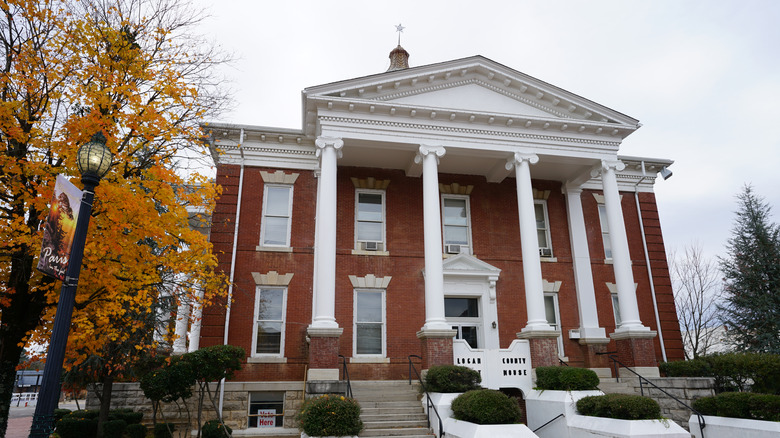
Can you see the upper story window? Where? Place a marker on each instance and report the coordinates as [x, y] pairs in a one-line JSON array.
[[457, 224], [370, 322], [277, 215], [370, 220], [605, 232], [543, 228], [270, 303]]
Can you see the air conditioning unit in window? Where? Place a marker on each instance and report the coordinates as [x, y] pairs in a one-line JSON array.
[[371, 246], [545, 252], [453, 249]]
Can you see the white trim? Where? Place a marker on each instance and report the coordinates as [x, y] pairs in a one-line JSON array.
[[383, 296], [468, 248], [263, 226], [258, 291]]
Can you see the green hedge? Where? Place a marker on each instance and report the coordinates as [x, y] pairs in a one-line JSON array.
[[114, 428], [741, 405], [486, 406], [620, 406], [164, 430], [451, 378], [136, 431], [757, 372], [566, 379], [330, 415], [83, 423], [215, 429]]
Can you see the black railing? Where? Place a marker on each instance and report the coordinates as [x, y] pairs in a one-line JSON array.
[[345, 375], [553, 419], [644, 381], [428, 402]]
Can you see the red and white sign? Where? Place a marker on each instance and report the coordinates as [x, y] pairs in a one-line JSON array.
[[266, 418]]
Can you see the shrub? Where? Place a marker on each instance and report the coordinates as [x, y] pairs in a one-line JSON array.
[[686, 368], [59, 413], [620, 406], [136, 431], [73, 427], [451, 378], [330, 415], [486, 406], [114, 428], [741, 405], [758, 372], [84, 414], [215, 429], [164, 430], [126, 414], [566, 378]]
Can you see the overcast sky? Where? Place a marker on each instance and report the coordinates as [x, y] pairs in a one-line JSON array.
[[703, 77]]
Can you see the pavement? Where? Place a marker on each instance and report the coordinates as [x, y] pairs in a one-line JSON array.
[[20, 418]]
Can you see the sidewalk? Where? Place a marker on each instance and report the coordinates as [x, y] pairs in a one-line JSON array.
[[20, 418]]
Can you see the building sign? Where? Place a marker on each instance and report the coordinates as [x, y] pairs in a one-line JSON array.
[[266, 418], [59, 228]]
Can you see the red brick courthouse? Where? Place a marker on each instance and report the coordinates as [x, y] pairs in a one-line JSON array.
[[463, 212]]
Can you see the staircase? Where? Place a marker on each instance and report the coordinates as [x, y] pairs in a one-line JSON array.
[[391, 409], [625, 386]]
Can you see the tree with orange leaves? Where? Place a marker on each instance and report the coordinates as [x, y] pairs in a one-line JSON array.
[[130, 69]]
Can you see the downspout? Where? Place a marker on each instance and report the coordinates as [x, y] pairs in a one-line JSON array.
[[233, 263], [647, 261]]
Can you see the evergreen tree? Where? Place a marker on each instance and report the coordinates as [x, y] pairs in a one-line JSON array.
[[752, 277]]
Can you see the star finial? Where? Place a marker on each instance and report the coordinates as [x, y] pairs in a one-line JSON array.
[[399, 29]]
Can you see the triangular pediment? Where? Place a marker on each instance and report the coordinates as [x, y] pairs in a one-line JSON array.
[[471, 85], [466, 264]]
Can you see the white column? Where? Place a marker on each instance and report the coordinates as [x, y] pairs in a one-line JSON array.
[[532, 265], [180, 330], [434, 272], [197, 315], [621, 258], [328, 150], [583, 276]]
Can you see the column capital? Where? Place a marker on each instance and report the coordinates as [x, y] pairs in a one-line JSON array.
[[571, 189], [425, 150], [613, 165], [324, 142], [519, 157]]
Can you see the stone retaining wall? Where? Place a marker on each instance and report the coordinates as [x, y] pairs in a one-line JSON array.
[[687, 389]]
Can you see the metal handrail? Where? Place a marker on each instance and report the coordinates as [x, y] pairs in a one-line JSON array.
[[553, 419], [616, 362], [428, 403], [346, 376]]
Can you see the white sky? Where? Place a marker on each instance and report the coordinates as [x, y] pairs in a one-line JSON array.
[[703, 77]]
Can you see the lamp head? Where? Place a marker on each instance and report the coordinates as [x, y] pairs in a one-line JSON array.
[[665, 173], [94, 158]]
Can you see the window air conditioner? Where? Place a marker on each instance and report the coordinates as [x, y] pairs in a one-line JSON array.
[[545, 252], [372, 246], [452, 249]]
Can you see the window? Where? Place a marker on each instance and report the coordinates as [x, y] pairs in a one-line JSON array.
[[277, 212], [605, 231], [543, 228], [370, 322], [457, 232], [616, 310], [463, 315], [270, 309], [266, 409], [370, 220], [553, 315]]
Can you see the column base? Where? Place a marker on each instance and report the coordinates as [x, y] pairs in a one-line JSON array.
[[544, 347], [594, 354], [636, 348], [323, 353], [436, 347]]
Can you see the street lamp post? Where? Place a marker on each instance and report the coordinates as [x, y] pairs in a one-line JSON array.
[[94, 160]]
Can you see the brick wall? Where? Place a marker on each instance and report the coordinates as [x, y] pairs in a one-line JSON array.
[[496, 240]]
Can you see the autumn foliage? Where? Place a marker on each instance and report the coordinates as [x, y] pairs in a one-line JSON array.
[[129, 69]]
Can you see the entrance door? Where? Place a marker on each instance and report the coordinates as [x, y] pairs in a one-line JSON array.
[[462, 313]]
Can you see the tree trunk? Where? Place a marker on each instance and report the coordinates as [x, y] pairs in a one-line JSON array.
[[105, 403]]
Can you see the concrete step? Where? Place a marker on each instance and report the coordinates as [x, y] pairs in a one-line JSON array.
[[390, 404], [410, 410], [617, 387], [429, 435], [395, 424], [405, 432]]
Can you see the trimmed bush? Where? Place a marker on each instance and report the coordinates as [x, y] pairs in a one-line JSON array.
[[757, 372], [566, 379], [686, 368], [452, 378], [330, 415], [72, 427], [84, 414], [741, 405], [164, 430], [486, 406], [126, 414], [620, 406], [114, 428], [136, 431], [59, 413], [215, 429]]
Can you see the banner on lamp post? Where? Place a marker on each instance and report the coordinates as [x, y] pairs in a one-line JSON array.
[[59, 228]]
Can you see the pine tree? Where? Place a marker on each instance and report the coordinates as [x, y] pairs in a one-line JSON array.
[[752, 277]]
